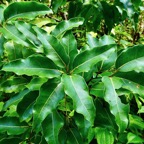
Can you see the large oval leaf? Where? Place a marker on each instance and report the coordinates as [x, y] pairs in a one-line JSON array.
[[50, 95], [51, 127], [131, 59], [85, 60], [33, 65], [63, 26], [76, 88], [25, 10], [12, 126], [117, 108]]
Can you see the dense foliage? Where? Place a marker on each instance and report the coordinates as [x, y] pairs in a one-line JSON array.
[[71, 72]]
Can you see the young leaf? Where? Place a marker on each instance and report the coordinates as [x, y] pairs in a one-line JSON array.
[[131, 59], [52, 48], [104, 136], [66, 25], [33, 65], [51, 127], [76, 88], [12, 126], [50, 95], [85, 60], [27, 10], [70, 44], [117, 108]]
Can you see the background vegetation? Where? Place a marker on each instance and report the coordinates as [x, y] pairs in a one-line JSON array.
[[71, 71]]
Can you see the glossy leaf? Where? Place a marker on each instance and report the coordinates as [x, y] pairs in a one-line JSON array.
[[70, 44], [33, 65], [133, 138], [74, 136], [52, 48], [15, 99], [117, 108], [131, 59], [25, 10], [51, 127], [12, 126], [25, 106], [85, 60], [51, 93], [76, 88], [104, 136], [10, 140], [66, 25]]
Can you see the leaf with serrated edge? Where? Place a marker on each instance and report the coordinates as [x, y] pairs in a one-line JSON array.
[[67, 25], [117, 108], [33, 65], [51, 127], [76, 88], [25, 10], [51, 93]]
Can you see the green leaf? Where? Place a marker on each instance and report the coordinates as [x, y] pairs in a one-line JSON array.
[[141, 110], [85, 60], [15, 99], [36, 83], [15, 140], [51, 127], [56, 4], [12, 126], [117, 108], [74, 136], [13, 85], [76, 88], [33, 65], [104, 136], [51, 93], [133, 138], [70, 44], [52, 48], [10, 32], [25, 106], [66, 25], [27, 10], [131, 59]]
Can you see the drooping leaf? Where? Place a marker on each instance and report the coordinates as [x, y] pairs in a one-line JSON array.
[[104, 136], [74, 136], [131, 59], [85, 60], [51, 127], [15, 99], [51, 93], [12, 126], [133, 138], [27, 10], [52, 48], [25, 106], [117, 108], [66, 25], [70, 45], [33, 65], [76, 88]]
